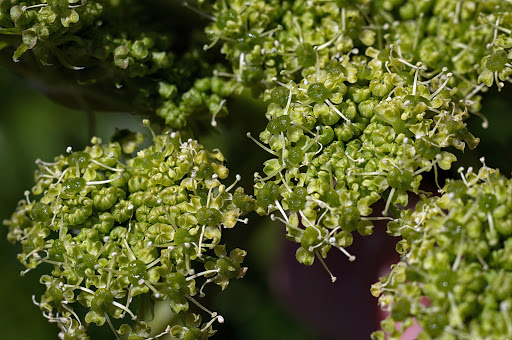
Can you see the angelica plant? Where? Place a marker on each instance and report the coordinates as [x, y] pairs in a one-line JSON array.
[[363, 99]]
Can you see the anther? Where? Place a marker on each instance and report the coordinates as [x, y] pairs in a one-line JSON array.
[[237, 179], [27, 194]]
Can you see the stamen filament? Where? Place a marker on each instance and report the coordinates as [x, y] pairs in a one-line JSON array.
[[106, 166], [333, 243], [261, 145], [166, 331], [333, 278], [274, 218], [388, 201], [203, 273], [337, 111], [195, 302], [214, 115], [281, 210], [238, 178], [433, 95], [200, 241], [112, 327], [104, 181]]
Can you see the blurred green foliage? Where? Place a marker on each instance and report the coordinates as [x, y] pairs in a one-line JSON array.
[[31, 127]]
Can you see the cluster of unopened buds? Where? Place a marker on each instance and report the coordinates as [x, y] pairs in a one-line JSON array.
[[454, 278], [120, 229]]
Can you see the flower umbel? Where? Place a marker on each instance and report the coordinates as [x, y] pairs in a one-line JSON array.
[[116, 227]]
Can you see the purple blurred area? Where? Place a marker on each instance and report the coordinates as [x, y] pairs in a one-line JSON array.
[[344, 309]]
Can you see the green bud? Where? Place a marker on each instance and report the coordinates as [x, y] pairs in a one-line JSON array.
[[453, 228], [435, 324], [205, 171], [457, 189], [497, 61], [304, 256], [74, 185], [446, 280], [426, 148], [54, 294], [228, 268], [105, 198], [280, 96], [29, 38], [102, 300], [310, 238], [365, 228], [176, 285], [401, 309], [297, 199], [349, 218], [332, 198], [318, 93], [295, 156], [225, 17], [335, 68], [121, 58], [279, 124], [306, 55], [209, 217], [247, 41], [137, 271], [252, 75], [84, 262], [57, 251], [487, 203], [193, 334], [400, 179], [268, 194], [41, 212]]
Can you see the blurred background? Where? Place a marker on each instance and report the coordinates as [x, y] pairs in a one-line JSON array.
[[278, 298]]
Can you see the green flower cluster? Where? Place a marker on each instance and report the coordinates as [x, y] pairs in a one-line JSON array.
[[277, 39], [117, 47], [345, 157], [358, 110], [454, 277], [115, 227]]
